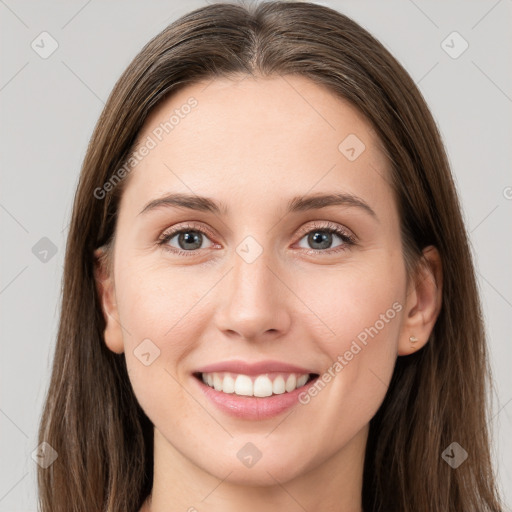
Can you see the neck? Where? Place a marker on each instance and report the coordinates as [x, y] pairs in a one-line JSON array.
[[334, 484]]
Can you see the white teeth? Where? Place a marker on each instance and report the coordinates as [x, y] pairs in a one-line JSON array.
[[259, 386], [217, 382], [291, 383], [243, 385], [228, 385], [302, 380], [278, 386], [262, 386]]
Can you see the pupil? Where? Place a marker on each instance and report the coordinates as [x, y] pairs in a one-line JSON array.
[[194, 239], [321, 237]]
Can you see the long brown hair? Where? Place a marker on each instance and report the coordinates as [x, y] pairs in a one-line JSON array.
[[436, 396]]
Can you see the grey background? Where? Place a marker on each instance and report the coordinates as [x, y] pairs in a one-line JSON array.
[[50, 106]]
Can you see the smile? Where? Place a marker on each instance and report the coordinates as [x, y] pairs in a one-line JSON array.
[[263, 385]]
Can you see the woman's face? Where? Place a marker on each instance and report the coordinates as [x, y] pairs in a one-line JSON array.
[[259, 278]]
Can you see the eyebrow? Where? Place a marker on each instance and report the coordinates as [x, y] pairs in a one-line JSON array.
[[296, 204]]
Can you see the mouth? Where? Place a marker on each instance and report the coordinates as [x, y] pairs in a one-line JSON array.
[[262, 385]]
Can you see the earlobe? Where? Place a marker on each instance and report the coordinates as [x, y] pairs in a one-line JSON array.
[[106, 292], [423, 303]]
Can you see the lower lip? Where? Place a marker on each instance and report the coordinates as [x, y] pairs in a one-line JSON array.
[[251, 407]]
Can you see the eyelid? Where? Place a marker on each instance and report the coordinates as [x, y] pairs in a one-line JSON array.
[[328, 225], [183, 227]]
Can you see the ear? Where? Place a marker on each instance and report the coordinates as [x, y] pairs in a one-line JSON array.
[[423, 303], [105, 285]]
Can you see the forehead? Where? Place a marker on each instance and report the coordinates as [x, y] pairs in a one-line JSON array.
[[257, 137]]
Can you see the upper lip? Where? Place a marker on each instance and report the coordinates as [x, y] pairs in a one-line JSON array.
[[244, 368]]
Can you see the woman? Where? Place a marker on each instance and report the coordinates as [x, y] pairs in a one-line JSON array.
[[261, 368]]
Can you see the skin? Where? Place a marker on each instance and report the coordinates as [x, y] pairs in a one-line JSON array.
[[253, 144]]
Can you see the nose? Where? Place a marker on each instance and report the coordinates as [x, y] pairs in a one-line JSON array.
[[254, 300]]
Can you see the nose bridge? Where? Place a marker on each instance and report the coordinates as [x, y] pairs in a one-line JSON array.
[[252, 278], [253, 300]]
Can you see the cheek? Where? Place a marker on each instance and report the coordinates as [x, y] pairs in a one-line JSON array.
[[363, 310], [360, 304], [164, 312], [159, 315], [160, 304]]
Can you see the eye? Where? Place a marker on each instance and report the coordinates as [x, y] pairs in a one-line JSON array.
[[189, 239], [321, 237]]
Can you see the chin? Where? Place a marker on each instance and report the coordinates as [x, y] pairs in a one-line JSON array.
[[260, 473]]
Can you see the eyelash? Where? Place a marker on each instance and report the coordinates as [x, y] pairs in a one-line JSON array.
[[348, 240]]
